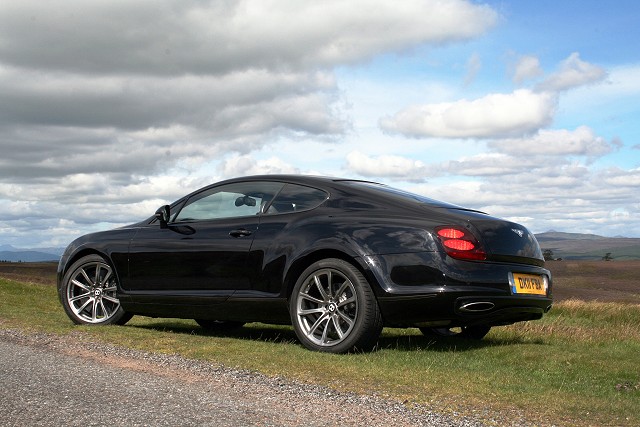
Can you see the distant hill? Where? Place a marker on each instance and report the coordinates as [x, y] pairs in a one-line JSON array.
[[13, 254], [589, 246]]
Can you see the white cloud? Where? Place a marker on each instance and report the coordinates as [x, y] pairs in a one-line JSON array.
[[221, 37], [619, 178], [567, 197], [557, 142], [110, 109], [494, 115], [527, 67], [573, 72], [487, 164], [387, 166], [247, 165], [474, 64], [102, 100], [119, 88]]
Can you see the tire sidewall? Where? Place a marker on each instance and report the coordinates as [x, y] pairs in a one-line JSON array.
[[119, 317], [359, 337]]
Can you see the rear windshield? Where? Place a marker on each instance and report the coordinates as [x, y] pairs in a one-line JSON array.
[[402, 194]]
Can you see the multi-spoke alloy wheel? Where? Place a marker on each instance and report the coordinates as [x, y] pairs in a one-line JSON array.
[[327, 307], [88, 293], [333, 308]]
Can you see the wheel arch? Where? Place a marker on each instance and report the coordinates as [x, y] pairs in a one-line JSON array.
[[302, 263], [81, 254]]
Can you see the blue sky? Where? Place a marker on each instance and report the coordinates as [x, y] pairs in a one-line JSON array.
[[526, 110]]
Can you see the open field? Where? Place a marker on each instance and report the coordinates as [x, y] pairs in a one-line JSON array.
[[577, 366], [604, 281], [30, 272]]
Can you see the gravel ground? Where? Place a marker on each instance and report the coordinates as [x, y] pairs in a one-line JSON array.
[[50, 380]]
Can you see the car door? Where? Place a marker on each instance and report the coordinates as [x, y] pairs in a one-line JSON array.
[[204, 248], [281, 234]]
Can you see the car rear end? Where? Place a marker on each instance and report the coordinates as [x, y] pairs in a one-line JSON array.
[[488, 271], [500, 263]]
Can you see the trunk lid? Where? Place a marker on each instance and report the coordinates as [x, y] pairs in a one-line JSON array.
[[502, 240]]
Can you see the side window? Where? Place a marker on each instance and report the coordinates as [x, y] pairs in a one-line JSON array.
[[295, 198], [228, 201]]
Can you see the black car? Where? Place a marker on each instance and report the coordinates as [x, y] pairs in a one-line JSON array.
[[337, 258]]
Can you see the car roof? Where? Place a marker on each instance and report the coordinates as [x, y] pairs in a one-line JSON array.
[[294, 178], [371, 188]]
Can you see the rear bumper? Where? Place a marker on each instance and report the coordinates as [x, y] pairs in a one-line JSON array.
[[460, 309], [432, 290]]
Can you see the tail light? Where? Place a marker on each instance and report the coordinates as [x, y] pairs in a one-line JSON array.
[[460, 243]]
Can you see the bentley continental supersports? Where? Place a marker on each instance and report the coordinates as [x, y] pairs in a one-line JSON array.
[[336, 258]]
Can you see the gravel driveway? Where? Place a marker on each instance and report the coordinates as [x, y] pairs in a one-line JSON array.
[[48, 380]]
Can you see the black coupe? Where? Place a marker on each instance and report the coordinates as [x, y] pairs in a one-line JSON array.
[[336, 258]]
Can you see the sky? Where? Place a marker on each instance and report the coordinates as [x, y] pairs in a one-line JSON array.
[[524, 110]]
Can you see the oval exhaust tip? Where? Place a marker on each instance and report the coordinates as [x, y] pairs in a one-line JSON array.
[[475, 307]]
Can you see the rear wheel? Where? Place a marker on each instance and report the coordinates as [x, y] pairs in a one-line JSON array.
[[476, 332], [333, 308], [89, 293]]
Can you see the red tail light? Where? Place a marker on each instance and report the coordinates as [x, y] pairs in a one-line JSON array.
[[460, 243]]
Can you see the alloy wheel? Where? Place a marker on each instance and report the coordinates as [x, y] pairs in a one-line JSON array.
[[91, 293], [327, 307]]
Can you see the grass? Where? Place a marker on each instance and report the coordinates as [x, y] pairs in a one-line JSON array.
[[577, 366]]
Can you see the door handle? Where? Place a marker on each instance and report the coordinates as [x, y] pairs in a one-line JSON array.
[[242, 232]]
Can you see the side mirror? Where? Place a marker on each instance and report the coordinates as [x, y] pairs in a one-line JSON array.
[[162, 215]]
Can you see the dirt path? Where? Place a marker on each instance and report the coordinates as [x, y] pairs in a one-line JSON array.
[[48, 380]]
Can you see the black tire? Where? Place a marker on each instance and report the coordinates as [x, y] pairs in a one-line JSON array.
[[218, 325], [476, 332], [333, 308], [88, 293]]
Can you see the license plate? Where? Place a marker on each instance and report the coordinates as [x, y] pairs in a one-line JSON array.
[[531, 284]]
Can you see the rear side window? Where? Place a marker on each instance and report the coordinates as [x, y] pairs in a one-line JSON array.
[[294, 198]]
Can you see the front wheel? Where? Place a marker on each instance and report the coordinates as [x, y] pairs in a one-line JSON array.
[[88, 293], [333, 308]]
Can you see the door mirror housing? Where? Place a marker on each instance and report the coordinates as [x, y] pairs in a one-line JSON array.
[[162, 215]]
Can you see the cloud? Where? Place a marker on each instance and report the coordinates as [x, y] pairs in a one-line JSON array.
[[474, 64], [110, 109], [527, 67], [573, 72], [488, 164], [557, 142], [492, 116], [496, 115], [620, 178], [102, 101], [138, 88], [387, 166], [247, 165], [215, 38], [569, 197]]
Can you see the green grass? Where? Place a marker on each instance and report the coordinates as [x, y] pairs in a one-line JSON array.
[[580, 365]]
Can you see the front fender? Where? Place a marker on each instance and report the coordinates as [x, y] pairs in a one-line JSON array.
[[112, 245]]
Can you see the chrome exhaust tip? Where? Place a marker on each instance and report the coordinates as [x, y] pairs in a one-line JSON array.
[[477, 307]]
